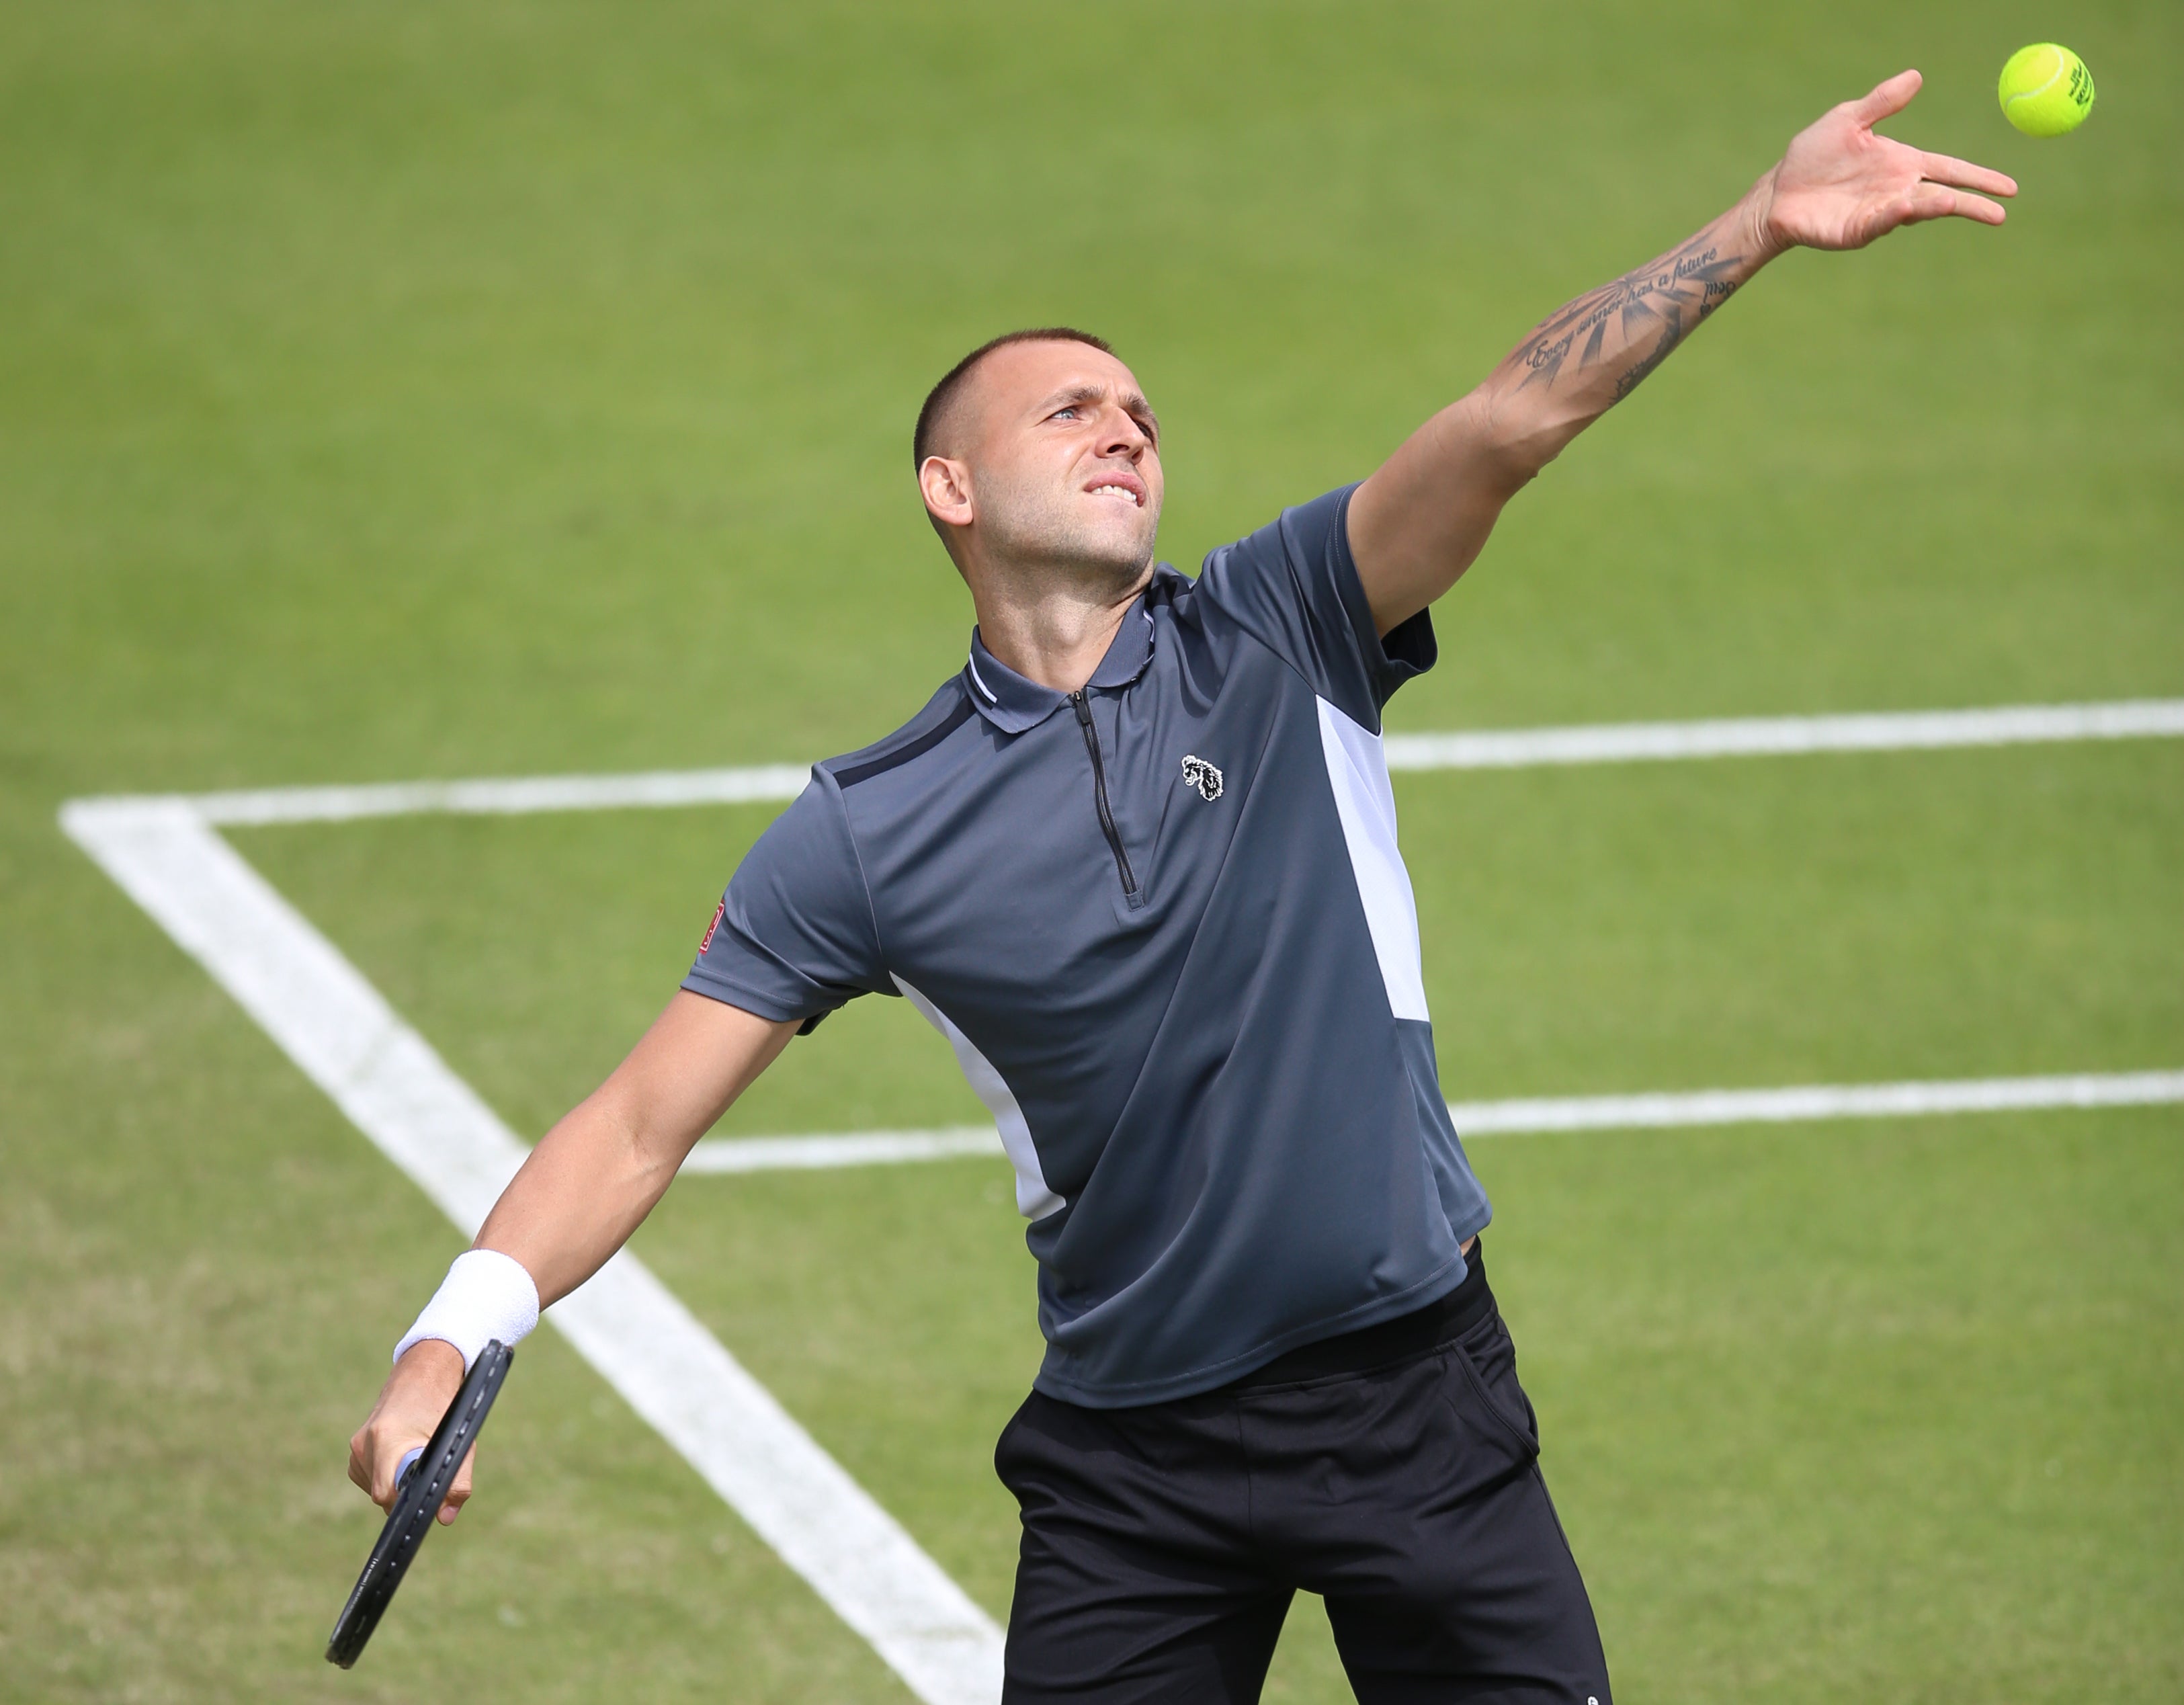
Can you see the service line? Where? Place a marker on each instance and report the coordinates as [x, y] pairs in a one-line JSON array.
[[1686, 1108]]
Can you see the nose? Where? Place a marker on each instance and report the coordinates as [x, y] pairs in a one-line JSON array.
[[1121, 436]]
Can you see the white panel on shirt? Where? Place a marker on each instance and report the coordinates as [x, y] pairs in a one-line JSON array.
[[1035, 1200], [1357, 769]]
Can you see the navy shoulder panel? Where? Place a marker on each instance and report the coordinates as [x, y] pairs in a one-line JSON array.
[[946, 711]]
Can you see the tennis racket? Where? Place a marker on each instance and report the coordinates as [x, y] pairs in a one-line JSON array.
[[421, 1485]]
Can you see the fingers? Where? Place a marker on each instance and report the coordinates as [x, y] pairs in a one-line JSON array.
[[383, 1458], [1963, 174], [1977, 207], [367, 1458], [375, 1454], [373, 1458], [1938, 201], [1887, 98]]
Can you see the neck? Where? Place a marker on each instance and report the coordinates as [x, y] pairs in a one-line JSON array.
[[1053, 629]]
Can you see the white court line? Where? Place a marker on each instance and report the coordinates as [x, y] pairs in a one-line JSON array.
[[825, 1153], [2008, 725], [329, 1020], [1817, 1101], [718, 1155], [510, 797], [1617, 742]]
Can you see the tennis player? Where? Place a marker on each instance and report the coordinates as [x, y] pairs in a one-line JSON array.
[[1137, 861]]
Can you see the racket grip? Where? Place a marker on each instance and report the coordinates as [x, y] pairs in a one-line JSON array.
[[407, 1466]]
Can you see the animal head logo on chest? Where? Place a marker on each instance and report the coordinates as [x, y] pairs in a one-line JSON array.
[[1201, 775]]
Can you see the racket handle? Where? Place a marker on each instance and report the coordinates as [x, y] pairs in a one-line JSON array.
[[408, 1464]]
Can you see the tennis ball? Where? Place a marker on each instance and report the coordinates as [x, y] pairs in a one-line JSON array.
[[2045, 90]]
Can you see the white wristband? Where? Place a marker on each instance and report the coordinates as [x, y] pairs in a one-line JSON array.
[[486, 1295]]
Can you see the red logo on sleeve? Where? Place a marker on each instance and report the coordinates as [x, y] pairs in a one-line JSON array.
[[720, 911]]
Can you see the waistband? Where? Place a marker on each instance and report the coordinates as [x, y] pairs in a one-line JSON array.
[[1409, 1335]]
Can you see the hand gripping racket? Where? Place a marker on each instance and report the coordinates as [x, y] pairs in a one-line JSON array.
[[421, 1487]]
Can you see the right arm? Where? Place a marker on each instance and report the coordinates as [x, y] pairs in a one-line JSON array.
[[595, 1176], [588, 1185], [1416, 524]]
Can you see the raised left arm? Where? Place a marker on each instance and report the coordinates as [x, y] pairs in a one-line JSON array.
[[1421, 519]]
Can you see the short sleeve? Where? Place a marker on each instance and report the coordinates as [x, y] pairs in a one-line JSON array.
[[1294, 587], [794, 936]]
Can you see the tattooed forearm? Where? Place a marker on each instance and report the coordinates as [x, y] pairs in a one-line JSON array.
[[1615, 335], [1416, 524]]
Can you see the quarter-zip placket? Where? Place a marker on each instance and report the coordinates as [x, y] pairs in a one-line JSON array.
[[1083, 708]]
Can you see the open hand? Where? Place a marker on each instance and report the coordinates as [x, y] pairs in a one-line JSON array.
[[1841, 187]]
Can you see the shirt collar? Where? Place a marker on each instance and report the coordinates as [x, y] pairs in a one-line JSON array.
[[1012, 704]]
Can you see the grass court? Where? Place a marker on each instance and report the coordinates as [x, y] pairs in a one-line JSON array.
[[393, 392]]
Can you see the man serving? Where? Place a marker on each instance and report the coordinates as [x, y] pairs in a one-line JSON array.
[[1137, 862]]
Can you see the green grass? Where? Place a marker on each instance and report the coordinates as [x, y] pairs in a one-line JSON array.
[[393, 391]]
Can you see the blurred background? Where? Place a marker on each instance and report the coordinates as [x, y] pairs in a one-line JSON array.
[[392, 392]]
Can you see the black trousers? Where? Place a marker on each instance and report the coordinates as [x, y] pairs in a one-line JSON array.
[[1161, 1545]]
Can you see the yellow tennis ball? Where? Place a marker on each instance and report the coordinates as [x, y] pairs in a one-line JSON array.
[[2045, 90]]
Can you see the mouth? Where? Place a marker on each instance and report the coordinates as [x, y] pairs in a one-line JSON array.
[[1128, 488]]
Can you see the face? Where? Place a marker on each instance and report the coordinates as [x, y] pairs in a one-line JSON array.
[[1057, 462]]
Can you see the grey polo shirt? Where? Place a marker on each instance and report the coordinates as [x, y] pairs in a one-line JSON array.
[[1164, 925]]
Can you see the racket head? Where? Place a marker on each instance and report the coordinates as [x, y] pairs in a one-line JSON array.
[[421, 1489]]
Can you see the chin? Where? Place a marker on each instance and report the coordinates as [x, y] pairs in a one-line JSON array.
[[1125, 561], [1118, 544], [1131, 545], [1126, 541]]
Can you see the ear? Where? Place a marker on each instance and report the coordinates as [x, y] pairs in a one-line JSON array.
[[946, 486]]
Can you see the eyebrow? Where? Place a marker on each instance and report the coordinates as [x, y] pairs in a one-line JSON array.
[[1132, 404]]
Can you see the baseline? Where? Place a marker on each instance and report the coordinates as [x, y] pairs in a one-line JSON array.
[[1752, 736], [1610, 743]]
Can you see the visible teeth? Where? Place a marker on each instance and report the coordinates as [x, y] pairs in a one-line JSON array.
[[1119, 491]]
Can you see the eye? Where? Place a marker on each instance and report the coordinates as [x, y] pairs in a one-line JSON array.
[[1067, 411]]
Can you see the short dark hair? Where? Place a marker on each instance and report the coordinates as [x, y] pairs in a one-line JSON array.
[[942, 394]]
